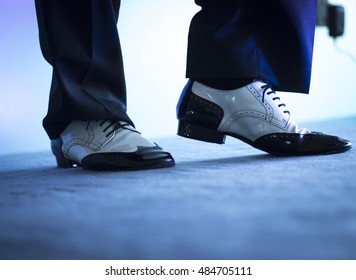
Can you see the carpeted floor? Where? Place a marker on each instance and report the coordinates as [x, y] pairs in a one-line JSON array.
[[219, 202]]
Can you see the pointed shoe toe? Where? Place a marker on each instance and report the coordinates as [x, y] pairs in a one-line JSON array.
[[142, 159], [295, 144]]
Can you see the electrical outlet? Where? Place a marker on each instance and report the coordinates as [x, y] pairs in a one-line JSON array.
[[331, 16], [336, 20]]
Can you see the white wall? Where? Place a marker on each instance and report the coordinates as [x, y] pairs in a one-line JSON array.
[[154, 54]]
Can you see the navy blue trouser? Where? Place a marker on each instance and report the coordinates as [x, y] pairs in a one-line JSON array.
[[228, 39]]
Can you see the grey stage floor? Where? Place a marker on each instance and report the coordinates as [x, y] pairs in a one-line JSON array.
[[219, 202]]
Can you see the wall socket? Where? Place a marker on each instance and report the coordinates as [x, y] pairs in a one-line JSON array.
[[331, 16]]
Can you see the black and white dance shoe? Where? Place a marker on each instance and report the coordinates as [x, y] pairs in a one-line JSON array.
[[254, 114], [107, 145]]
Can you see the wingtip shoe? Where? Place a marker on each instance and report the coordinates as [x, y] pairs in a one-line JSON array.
[[254, 114], [107, 145]]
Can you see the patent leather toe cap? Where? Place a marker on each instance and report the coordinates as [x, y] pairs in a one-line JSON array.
[[144, 158], [294, 144]]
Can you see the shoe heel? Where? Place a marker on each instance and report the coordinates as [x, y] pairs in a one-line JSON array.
[[65, 163], [200, 133]]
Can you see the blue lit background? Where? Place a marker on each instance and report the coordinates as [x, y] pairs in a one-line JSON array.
[[154, 38]]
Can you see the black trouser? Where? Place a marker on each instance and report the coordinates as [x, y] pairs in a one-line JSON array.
[[228, 39]]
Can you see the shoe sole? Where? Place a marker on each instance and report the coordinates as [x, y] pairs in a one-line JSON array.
[[278, 144]]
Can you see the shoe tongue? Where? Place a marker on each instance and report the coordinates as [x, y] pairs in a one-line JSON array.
[[303, 131], [128, 126], [261, 80], [124, 123], [259, 83]]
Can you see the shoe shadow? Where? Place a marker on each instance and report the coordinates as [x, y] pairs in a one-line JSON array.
[[227, 161]]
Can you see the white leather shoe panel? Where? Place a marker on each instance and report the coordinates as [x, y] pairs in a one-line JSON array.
[[82, 138], [247, 112], [126, 141]]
